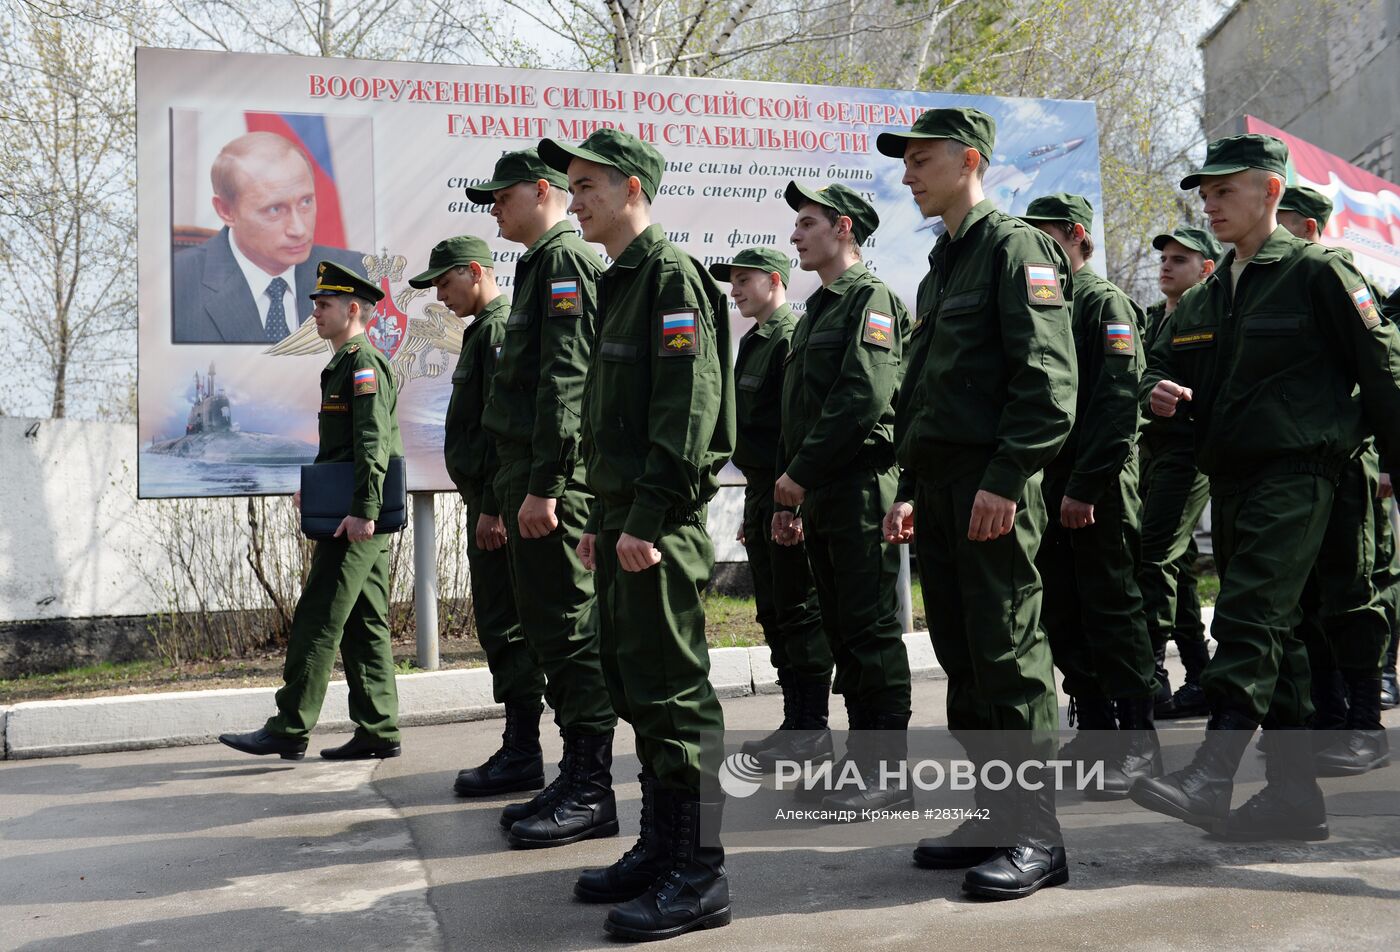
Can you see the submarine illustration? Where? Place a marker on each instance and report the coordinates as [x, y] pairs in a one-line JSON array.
[[212, 436]]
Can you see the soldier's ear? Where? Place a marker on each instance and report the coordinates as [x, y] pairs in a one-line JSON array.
[[1207, 267], [475, 268]]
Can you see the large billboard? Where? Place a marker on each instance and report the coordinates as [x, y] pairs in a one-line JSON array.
[[1365, 208], [254, 167]]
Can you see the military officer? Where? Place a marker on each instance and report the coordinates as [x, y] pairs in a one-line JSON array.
[[1174, 494], [1284, 362], [1345, 628], [345, 602], [783, 588], [463, 273], [658, 425], [1092, 610], [989, 399], [533, 414], [836, 465]]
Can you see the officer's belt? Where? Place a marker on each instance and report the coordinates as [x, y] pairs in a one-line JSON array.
[[1227, 484]]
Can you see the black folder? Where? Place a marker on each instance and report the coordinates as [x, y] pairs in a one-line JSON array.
[[328, 488]]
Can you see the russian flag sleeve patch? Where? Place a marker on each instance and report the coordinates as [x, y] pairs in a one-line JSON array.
[[879, 329], [564, 297], [365, 381], [1043, 284], [1117, 337], [680, 333]]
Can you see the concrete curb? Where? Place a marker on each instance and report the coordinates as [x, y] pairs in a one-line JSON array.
[[143, 721]]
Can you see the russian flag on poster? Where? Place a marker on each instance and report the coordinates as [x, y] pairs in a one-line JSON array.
[[309, 133]]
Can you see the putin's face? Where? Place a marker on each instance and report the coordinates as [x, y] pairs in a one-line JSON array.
[[273, 217]]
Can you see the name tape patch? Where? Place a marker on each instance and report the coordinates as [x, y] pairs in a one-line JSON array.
[[1193, 339], [680, 333]]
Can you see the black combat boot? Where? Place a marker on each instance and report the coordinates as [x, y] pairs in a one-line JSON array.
[[881, 752], [1038, 857], [1095, 718], [788, 682], [585, 809], [640, 866], [1189, 699], [857, 721], [1290, 806], [1200, 792], [693, 891], [517, 765], [1363, 745], [808, 739], [1139, 753], [546, 797], [1390, 690], [971, 842]]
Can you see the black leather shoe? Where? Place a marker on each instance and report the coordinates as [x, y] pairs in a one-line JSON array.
[[263, 742], [1363, 746], [363, 748], [1188, 701], [1390, 690], [1200, 792], [808, 738], [1017, 871], [586, 808], [881, 748], [693, 892], [515, 812], [640, 866], [963, 848], [1139, 753], [517, 764], [788, 684]]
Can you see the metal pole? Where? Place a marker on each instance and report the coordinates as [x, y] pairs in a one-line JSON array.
[[425, 580], [904, 591]]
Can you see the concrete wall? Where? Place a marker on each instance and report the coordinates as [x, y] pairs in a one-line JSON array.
[[1324, 70]]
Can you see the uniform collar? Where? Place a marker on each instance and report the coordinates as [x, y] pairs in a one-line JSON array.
[[560, 227], [765, 330], [354, 343], [498, 304], [848, 279], [974, 215], [1277, 246], [634, 254]]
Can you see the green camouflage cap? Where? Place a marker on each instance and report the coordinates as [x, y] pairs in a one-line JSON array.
[[1196, 239], [513, 168], [1236, 153], [1061, 206], [864, 221], [332, 279], [971, 127], [622, 150], [450, 253], [760, 259], [1308, 202]]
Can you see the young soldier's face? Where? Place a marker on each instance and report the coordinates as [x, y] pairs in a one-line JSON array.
[[932, 171], [456, 290], [331, 312], [1181, 269], [1235, 204], [754, 290], [599, 203], [815, 237], [511, 206]]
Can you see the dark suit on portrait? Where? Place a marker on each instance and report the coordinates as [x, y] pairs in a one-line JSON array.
[[213, 303]]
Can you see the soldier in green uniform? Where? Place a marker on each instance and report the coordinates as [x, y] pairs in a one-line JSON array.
[[989, 399], [463, 272], [1284, 363], [345, 602], [658, 426], [836, 460], [533, 414], [1092, 610], [1345, 628], [1174, 494], [786, 596]]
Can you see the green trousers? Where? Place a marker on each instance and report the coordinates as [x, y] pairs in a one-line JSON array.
[[1267, 533], [345, 606], [1174, 494], [983, 600], [857, 575], [1387, 577], [786, 596], [553, 595], [1345, 626], [1092, 608], [515, 674], [651, 631]]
